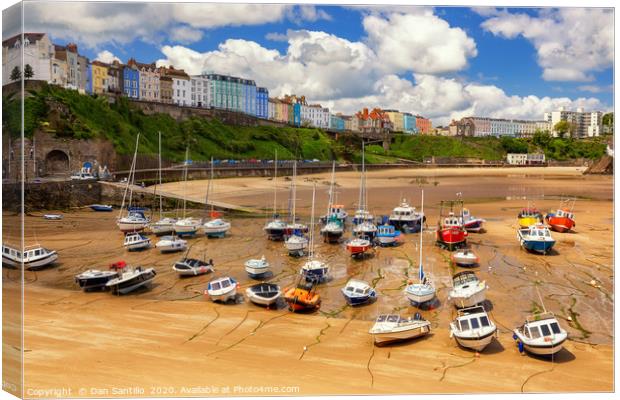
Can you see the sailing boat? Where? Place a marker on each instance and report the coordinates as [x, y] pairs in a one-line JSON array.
[[186, 226], [314, 270], [275, 228], [364, 220], [163, 225], [135, 220], [334, 227], [296, 242], [216, 227], [423, 291]]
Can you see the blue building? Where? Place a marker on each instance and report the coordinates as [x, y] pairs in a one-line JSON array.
[[409, 123], [297, 114], [131, 80], [248, 88], [336, 122], [89, 78], [262, 102]]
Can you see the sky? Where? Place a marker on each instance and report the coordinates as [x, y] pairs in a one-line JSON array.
[[440, 62]]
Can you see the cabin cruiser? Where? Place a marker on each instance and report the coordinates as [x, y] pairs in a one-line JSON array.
[[387, 235], [315, 270], [186, 226], [257, 268], [471, 223], [130, 279], [358, 292], [33, 257], [170, 244], [222, 289], [472, 328], [275, 228], [541, 334], [467, 290], [406, 218], [135, 241], [193, 267], [393, 328], [216, 228], [336, 211], [536, 238], [94, 279]]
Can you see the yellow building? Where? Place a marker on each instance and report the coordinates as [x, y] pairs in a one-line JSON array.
[[397, 120], [100, 77]]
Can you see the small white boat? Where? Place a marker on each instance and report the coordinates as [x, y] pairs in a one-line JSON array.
[[420, 293], [216, 227], [52, 217], [467, 290], [472, 328], [264, 294], [130, 279], [537, 238], [366, 228], [257, 268], [464, 258], [186, 226], [193, 267], [471, 223], [275, 229], [135, 221], [296, 244], [170, 244], [332, 231], [32, 257], [163, 226], [222, 289], [315, 270], [135, 241], [393, 328], [541, 334], [358, 292], [94, 279]]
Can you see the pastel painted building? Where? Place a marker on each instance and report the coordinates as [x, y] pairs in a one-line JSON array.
[[149, 81], [248, 96], [397, 119], [99, 77], [83, 76], [131, 80], [181, 85], [200, 91], [424, 125], [262, 102], [409, 124], [336, 122], [271, 109], [165, 89], [115, 77], [314, 115], [38, 52], [59, 71], [281, 110], [226, 92]]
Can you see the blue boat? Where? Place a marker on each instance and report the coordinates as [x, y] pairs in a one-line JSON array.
[[358, 292], [101, 207], [536, 238], [387, 235]]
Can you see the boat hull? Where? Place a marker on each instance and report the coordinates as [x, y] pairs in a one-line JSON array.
[[355, 250], [101, 208], [451, 238], [223, 297], [545, 350], [132, 226], [470, 300], [537, 246], [419, 295], [162, 229], [142, 280], [475, 343], [399, 336], [474, 225], [92, 284], [358, 300], [49, 259], [173, 248], [387, 240], [410, 226], [526, 222], [560, 224]]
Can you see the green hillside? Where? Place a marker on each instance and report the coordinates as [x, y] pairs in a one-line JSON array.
[[66, 113]]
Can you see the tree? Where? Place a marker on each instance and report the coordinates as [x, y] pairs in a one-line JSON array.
[[15, 74], [608, 122], [563, 128], [28, 72], [541, 138]]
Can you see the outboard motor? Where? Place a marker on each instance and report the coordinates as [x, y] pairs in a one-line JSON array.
[[417, 317]]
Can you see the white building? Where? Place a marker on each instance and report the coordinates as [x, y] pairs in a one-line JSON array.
[[271, 109], [482, 126], [200, 93], [516, 159], [181, 86], [38, 53], [586, 124], [315, 115]]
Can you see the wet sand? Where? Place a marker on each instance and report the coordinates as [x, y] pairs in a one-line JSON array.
[[170, 339]]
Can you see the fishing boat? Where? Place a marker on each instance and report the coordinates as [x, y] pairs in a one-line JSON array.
[[335, 210], [529, 216], [450, 232], [389, 328], [464, 258], [358, 246], [164, 225], [467, 290], [536, 238], [314, 269], [171, 244], [364, 224], [406, 218], [471, 223], [94, 279], [276, 227], [216, 227], [358, 292], [135, 220], [541, 334], [130, 279], [387, 235], [422, 291], [186, 226], [135, 241], [222, 289], [101, 207], [52, 217], [33, 257], [361, 216], [193, 267], [264, 294], [472, 328], [563, 220], [334, 224], [257, 268], [302, 297]]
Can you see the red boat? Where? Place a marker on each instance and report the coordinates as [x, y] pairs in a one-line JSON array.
[[357, 246], [562, 221], [451, 233]]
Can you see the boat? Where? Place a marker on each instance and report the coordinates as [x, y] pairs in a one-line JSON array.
[[406, 218], [389, 328], [101, 207], [358, 292], [193, 267], [296, 243], [164, 225], [529, 216], [33, 257], [171, 244], [222, 289], [215, 227], [264, 294], [563, 220], [276, 227], [363, 221], [536, 238], [94, 279], [135, 220], [450, 231], [358, 246], [471, 223], [314, 269], [334, 223], [130, 279], [368, 229], [361, 216], [52, 217], [541, 334], [302, 297], [467, 290], [472, 328], [186, 226], [464, 258], [257, 268], [387, 235], [335, 210], [135, 241], [423, 291]]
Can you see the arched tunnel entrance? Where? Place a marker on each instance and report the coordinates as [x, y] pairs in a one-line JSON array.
[[57, 163]]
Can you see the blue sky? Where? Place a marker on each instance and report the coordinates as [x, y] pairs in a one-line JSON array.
[[442, 62]]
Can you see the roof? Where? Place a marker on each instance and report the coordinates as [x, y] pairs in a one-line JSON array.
[[32, 37], [100, 64], [175, 73]]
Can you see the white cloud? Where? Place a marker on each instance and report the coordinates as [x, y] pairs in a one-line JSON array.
[[185, 34], [107, 57], [596, 88], [213, 15], [571, 42]]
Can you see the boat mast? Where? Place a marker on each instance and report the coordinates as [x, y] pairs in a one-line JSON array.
[[361, 196], [159, 160], [311, 246], [330, 201], [294, 187], [185, 180], [129, 177], [420, 272], [209, 188], [275, 185]]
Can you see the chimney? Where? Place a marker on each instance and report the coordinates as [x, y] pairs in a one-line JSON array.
[[72, 47]]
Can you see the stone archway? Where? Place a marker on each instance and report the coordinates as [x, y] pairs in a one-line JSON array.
[[57, 163]]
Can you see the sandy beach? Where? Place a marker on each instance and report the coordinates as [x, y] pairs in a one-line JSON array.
[[171, 341]]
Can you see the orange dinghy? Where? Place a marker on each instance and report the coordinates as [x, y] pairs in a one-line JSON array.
[[303, 297]]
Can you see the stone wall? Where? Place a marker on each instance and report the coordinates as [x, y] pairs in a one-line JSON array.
[[60, 195]]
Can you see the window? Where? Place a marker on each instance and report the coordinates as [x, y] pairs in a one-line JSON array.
[[464, 325], [555, 327], [474, 323], [534, 332], [484, 321], [545, 330]]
